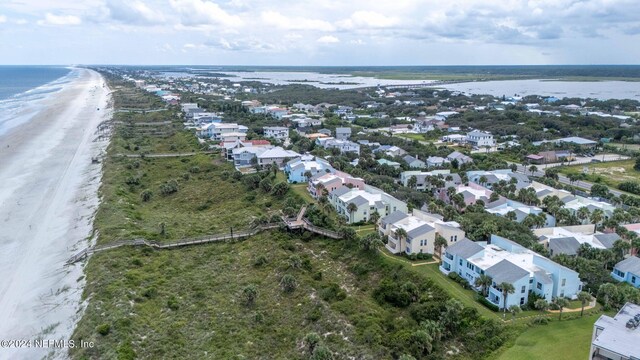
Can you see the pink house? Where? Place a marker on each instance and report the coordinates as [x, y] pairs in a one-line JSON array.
[[471, 193], [333, 181]]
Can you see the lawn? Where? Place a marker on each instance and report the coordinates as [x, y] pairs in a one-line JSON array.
[[607, 173], [419, 137], [559, 340]]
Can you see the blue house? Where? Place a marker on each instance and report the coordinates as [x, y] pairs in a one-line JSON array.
[[628, 270], [298, 167], [505, 261]]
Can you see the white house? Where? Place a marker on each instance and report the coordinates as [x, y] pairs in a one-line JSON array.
[[479, 139], [276, 155], [504, 206], [494, 176], [616, 338], [367, 201], [276, 132], [343, 133], [505, 261], [567, 239], [421, 228]]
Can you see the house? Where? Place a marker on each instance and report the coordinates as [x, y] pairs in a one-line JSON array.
[[414, 163], [246, 156], [343, 133], [628, 270], [333, 181], [232, 136], [368, 201], [567, 239], [471, 193], [393, 164], [459, 157], [316, 136], [582, 142], [617, 337], [488, 178], [504, 206], [443, 115], [575, 203], [326, 132], [543, 191], [216, 131], [345, 146], [535, 159], [276, 155], [298, 168], [436, 161], [423, 180], [227, 147], [393, 151], [421, 228], [454, 138], [276, 112], [479, 139], [276, 132], [506, 261]]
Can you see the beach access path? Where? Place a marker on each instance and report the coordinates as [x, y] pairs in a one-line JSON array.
[[48, 198]]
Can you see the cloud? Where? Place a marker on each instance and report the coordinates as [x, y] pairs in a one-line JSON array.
[[196, 13], [328, 39], [368, 20], [3, 19], [250, 45], [51, 19], [133, 12], [274, 18]]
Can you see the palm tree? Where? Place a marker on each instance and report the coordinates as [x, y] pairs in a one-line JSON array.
[[307, 175], [511, 215], [596, 216], [541, 304], [584, 298], [413, 181], [583, 213], [533, 169], [400, 235], [561, 303], [440, 243], [507, 288], [483, 180], [351, 208], [514, 310], [374, 217], [483, 281]]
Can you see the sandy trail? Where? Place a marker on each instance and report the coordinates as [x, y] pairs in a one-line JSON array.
[[48, 195]]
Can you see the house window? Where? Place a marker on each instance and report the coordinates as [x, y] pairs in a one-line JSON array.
[[522, 301], [564, 281], [524, 288], [460, 262], [633, 279], [618, 272], [531, 281], [539, 286]]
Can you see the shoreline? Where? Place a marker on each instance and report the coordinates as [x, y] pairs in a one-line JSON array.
[[47, 205]]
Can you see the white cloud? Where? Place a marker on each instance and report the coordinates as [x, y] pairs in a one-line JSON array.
[[204, 13], [3, 19], [274, 18], [51, 19], [134, 12], [328, 39], [368, 20]]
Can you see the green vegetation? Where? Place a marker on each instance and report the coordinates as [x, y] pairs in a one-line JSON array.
[[551, 342], [608, 173]]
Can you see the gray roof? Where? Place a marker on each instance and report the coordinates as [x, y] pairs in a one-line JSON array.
[[506, 271], [543, 277], [607, 239], [464, 248], [343, 130], [631, 264], [409, 158], [393, 217], [422, 229], [359, 200], [340, 191], [565, 245]]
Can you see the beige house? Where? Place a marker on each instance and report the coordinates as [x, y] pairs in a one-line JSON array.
[[421, 228]]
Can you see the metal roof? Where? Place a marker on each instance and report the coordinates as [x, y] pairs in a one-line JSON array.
[[631, 264], [464, 248], [506, 271]]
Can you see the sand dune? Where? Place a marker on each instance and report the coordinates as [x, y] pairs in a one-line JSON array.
[[48, 194]]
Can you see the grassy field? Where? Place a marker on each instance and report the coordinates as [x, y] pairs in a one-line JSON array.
[[419, 137], [607, 173], [559, 340], [634, 147]]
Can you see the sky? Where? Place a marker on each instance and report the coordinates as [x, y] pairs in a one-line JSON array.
[[320, 32]]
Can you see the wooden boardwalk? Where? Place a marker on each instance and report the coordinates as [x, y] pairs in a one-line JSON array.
[[298, 223]]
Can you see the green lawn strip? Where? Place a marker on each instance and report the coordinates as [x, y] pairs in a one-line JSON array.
[[301, 190], [561, 340]]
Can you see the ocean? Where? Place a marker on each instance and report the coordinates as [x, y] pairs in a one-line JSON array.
[[22, 86]]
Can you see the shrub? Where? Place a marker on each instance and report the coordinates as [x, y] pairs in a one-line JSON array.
[[132, 180], [332, 292], [540, 320], [194, 170], [146, 195], [260, 260], [103, 329], [460, 280], [488, 304], [172, 303], [288, 283], [169, 187]]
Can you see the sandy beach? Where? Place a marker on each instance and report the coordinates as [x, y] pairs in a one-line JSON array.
[[47, 200]]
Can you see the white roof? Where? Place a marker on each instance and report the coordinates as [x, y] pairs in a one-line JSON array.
[[615, 336], [561, 232], [493, 254], [252, 149], [371, 198], [278, 152]]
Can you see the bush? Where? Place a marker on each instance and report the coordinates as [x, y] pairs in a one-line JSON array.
[[332, 292], [132, 180], [172, 303], [630, 186], [146, 195], [169, 187], [260, 260], [540, 320], [460, 280], [103, 329], [488, 304], [194, 170]]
